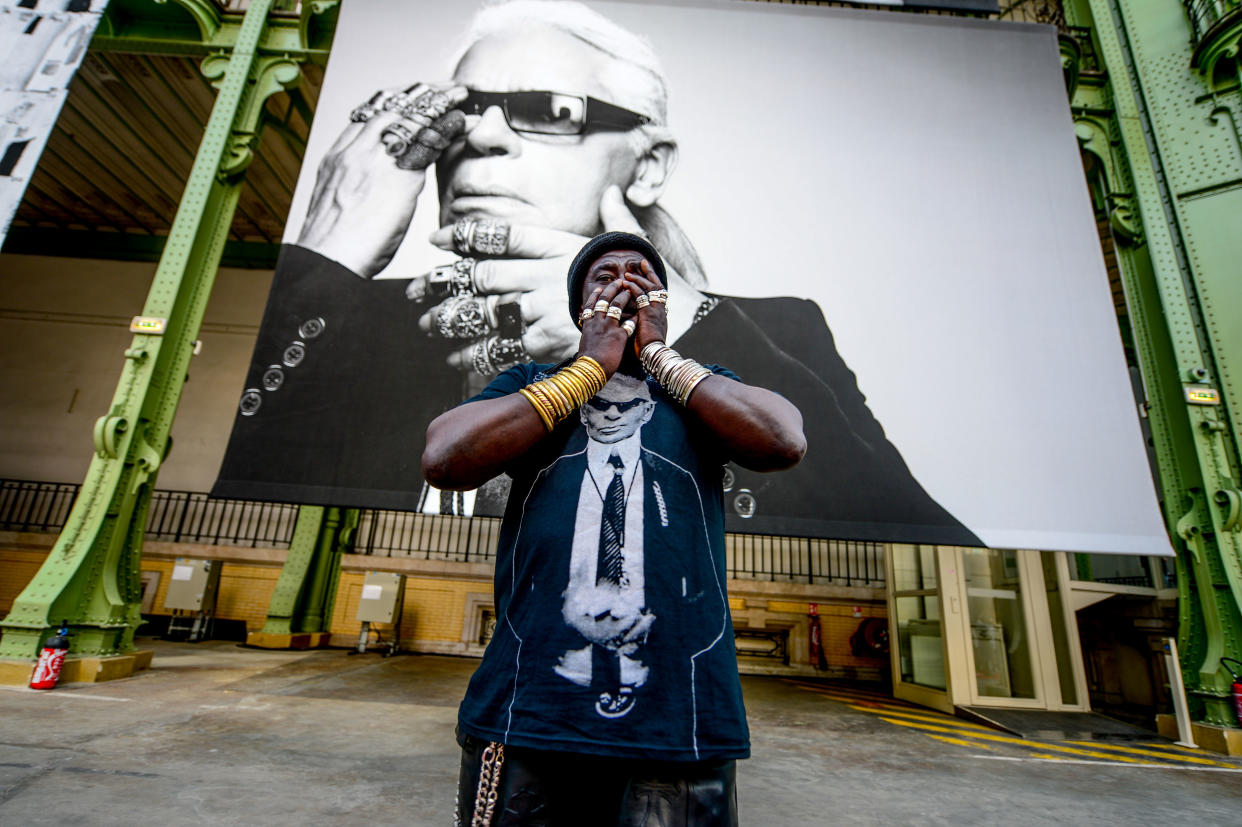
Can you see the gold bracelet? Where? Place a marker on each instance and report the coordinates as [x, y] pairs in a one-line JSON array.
[[562, 393], [544, 415]]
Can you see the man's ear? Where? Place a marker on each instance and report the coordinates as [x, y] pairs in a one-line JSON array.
[[652, 173]]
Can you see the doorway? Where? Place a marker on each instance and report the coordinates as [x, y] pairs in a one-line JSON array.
[[983, 627]]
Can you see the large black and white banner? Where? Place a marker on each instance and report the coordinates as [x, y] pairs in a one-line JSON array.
[[42, 43], [881, 216]]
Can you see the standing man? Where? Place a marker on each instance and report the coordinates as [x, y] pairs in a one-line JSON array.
[[609, 693]]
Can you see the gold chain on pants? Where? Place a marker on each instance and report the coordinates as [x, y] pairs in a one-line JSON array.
[[489, 781]]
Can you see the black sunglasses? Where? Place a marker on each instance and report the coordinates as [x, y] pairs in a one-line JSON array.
[[552, 113], [604, 404]]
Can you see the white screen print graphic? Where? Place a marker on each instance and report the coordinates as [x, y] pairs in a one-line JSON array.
[[605, 600]]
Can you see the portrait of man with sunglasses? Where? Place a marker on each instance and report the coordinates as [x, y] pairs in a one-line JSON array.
[[553, 127]]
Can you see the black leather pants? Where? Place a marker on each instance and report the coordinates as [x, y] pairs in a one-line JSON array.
[[557, 789]]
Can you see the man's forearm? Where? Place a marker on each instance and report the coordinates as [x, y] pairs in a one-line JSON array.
[[475, 442], [757, 428]]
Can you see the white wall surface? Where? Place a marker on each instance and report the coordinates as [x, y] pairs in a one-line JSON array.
[[63, 329]]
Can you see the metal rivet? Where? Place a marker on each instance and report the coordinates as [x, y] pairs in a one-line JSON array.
[[745, 504], [273, 378], [728, 479], [311, 328], [250, 401], [294, 354]]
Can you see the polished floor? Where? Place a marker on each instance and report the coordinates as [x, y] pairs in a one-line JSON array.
[[216, 734]]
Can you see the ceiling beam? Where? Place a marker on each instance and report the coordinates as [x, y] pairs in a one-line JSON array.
[[40, 241], [196, 28]]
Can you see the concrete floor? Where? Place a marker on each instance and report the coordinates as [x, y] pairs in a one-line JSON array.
[[221, 735]]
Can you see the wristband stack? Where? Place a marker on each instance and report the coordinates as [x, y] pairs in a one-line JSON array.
[[562, 393], [675, 373]]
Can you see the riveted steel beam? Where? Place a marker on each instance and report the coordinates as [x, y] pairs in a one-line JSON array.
[[305, 592], [91, 576], [1174, 160], [196, 28]]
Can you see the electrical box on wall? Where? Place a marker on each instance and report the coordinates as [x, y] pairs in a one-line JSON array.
[[381, 598], [193, 585]]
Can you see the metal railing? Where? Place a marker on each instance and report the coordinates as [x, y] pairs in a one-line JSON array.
[[193, 517], [427, 536], [35, 506], [804, 560], [174, 516], [1205, 14]]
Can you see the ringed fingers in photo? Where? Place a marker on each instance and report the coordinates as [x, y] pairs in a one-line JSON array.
[[525, 241]]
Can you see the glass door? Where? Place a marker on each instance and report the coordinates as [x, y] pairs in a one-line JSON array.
[[999, 622], [920, 672]]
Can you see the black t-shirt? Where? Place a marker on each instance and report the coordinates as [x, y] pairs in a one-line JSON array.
[[613, 634]]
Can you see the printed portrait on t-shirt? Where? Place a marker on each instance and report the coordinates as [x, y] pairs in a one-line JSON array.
[[605, 601]]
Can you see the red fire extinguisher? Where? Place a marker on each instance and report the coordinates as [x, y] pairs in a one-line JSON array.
[[816, 643], [51, 659], [1237, 685]]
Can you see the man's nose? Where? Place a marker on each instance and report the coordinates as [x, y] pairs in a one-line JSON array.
[[492, 135]]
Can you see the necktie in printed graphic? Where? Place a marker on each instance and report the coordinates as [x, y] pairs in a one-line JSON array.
[[612, 526]]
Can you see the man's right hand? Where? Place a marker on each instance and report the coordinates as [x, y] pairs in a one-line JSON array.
[[363, 200], [533, 276], [603, 338]]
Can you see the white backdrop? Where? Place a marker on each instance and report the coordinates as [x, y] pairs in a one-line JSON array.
[[41, 47], [916, 176]]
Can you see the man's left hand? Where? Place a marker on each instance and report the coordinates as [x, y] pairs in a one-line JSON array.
[[653, 318]]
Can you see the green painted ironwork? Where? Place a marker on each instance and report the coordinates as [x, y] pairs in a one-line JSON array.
[[200, 27], [306, 590], [1161, 126], [91, 576]]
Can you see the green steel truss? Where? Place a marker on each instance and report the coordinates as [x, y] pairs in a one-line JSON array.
[[91, 576], [1158, 126]]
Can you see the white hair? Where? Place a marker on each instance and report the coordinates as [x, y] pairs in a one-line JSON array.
[[648, 96], [587, 25], [623, 383]]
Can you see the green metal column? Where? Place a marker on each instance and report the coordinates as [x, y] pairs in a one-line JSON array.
[[91, 576], [1165, 128], [304, 595]]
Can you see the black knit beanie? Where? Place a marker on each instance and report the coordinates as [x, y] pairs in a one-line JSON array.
[[596, 247]]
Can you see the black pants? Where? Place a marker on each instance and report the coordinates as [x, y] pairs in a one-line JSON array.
[[556, 789]]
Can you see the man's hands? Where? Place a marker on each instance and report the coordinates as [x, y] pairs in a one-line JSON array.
[[364, 197], [533, 275], [653, 318], [603, 337]]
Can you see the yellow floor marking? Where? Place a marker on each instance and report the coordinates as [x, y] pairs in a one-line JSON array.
[[1045, 756], [861, 693], [1178, 747], [943, 720], [889, 702], [1008, 739], [1151, 753], [958, 741]]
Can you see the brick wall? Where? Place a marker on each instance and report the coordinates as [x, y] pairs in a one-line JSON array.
[[444, 601]]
